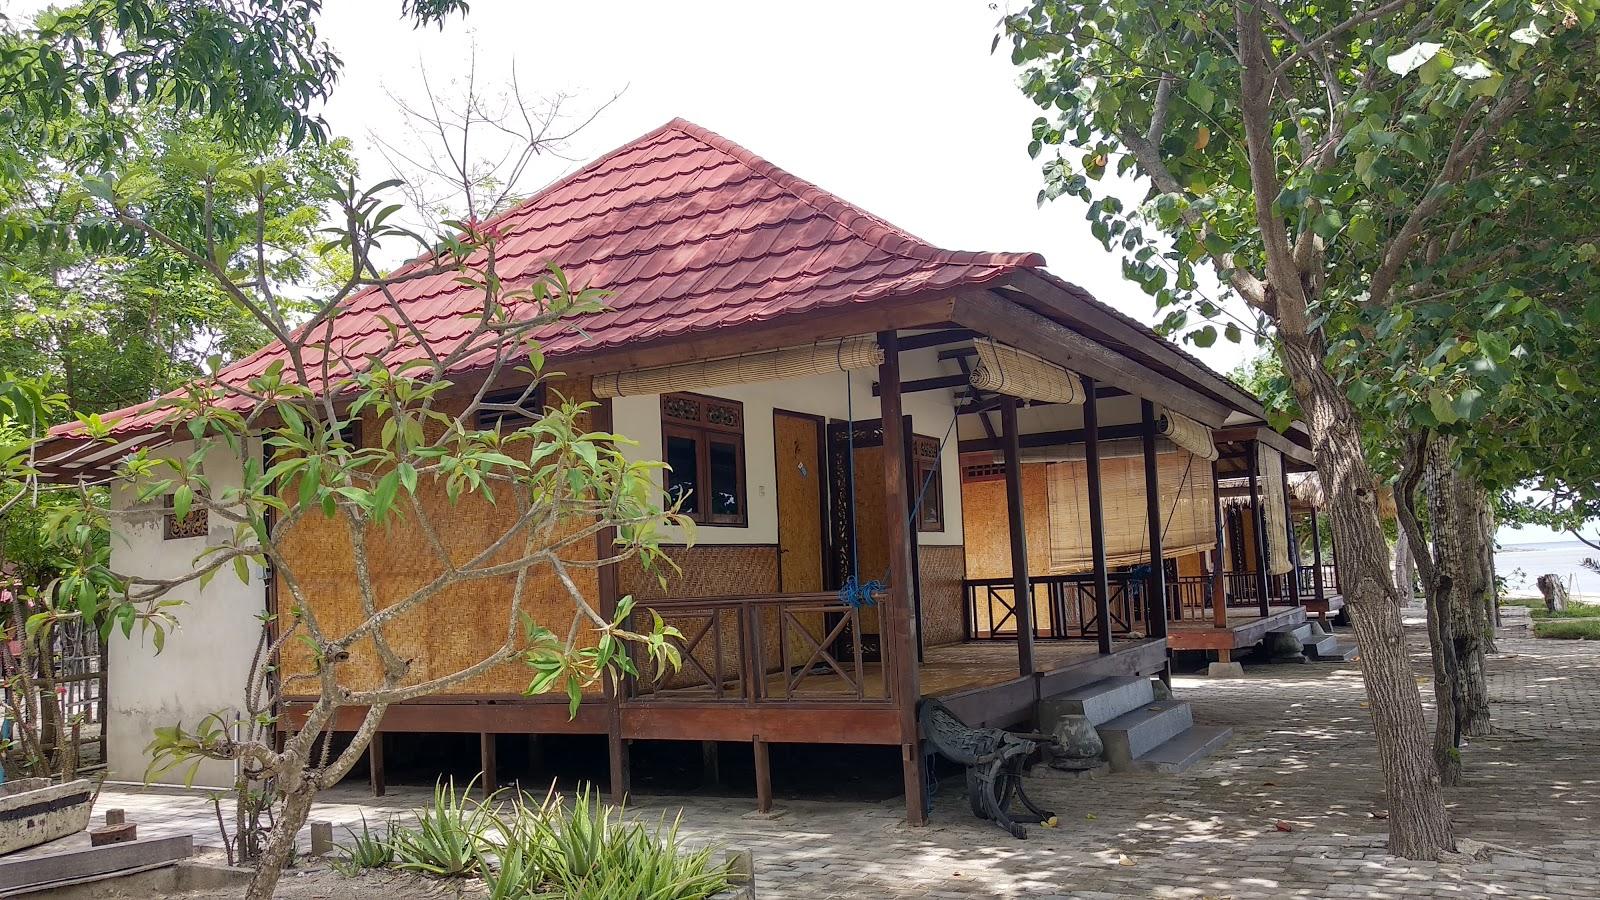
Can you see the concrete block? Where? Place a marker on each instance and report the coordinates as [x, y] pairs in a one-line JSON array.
[[1225, 670]]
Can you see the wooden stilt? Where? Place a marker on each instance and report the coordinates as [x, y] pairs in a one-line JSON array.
[[763, 775], [1097, 528], [488, 765], [535, 754], [899, 611], [1021, 590], [375, 764], [1224, 656], [621, 769], [711, 763]]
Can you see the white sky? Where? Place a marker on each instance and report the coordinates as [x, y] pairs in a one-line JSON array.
[[897, 107]]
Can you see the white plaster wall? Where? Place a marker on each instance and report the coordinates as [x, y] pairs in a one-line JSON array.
[[204, 664], [639, 418]]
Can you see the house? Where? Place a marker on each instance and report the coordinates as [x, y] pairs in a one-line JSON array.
[[762, 333]]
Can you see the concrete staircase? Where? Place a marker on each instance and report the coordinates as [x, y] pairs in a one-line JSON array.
[[1322, 646], [1140, 733]]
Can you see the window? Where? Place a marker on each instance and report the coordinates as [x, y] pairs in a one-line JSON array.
[[197, 523], [703, 441], [926, 483], [489, 418]]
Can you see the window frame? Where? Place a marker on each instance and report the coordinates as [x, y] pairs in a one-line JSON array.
[[495, 419], [926, 460], [704, 428]]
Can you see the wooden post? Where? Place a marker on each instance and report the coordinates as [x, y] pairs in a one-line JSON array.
[[488, 766], [711, 763], [1261, 531], [1097, 524], [897, 613], [1219, 581], [617, 749], [763, 774], [1156, 603], [1021, 590], [1316, 559], [535, 754], [1294, 543], [375, 764]]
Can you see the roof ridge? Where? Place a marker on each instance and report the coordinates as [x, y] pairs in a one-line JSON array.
[[873, 229]]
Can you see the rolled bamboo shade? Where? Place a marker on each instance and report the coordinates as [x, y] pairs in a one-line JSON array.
[[838, 355], [1269, 468], [1188, 434], [1007, 370], [1188, 505]]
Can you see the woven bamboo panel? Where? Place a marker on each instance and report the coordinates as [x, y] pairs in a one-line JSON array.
[[1273, 501], [451, 630], [942, 570], [987, 529], [1187, 505]]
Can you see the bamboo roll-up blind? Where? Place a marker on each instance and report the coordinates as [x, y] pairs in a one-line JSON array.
[[859, 352], [1187, 501], [1269, 468], [1007, 370], [1188, 434]]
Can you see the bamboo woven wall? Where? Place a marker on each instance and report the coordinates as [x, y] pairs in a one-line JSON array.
[[942, 570], [987, 532], [450, 631]]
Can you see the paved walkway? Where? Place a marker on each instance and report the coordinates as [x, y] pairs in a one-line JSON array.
[[1290, 809]]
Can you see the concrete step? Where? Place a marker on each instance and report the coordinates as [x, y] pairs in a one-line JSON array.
[[1339, 653], [1101, 701], [1184, 750], [1133, 734], [1320, 646], [1303, 630]]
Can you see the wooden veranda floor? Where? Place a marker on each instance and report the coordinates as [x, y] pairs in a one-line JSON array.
[[947, 669], [1246, 628]]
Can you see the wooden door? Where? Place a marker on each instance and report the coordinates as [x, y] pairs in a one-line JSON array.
[[797, 446]]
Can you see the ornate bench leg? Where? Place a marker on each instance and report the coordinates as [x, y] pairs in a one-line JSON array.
[[996, 786], [1042, 815]]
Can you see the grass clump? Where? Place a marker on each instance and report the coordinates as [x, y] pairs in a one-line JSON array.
[[1571, 629], [522, 847], [1573, 611]]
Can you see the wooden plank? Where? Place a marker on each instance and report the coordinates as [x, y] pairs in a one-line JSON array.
[[19, 875], [1143, 658], [511, 717], [995, 705], [1052, 438], [778, 723], [936, 338], [1025, 329]]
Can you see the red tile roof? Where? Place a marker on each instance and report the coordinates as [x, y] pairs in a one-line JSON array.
[[689, 232]]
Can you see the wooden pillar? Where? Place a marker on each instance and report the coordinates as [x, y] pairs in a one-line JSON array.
[[1021, 590], [1097, 524], [486, 763], [535, 754], [1156, 602], [764, 776], [1318, 588], [897, 614], [615, 694], [1294, 544], [375, 771], [711, 763], [1262, 588], [1219, 581]]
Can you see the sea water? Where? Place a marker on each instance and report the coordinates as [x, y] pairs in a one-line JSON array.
[[1521, 564]]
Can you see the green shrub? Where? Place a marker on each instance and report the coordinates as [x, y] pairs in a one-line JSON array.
[[1573, 611], [449, 837], [1578, 629], [367, 850]]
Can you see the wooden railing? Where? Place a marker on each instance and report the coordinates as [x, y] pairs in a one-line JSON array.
[[764, 649], [1063, 605]]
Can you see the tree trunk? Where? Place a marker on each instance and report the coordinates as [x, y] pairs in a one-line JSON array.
[[1404, 575], [1491, 596], [1453, 506], [1554, 591], [1419, 823], [279, 851]]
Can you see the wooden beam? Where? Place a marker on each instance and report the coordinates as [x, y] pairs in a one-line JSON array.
[[1022, 591], [936, 338], [1156, 605], [920, 385], [1025, 329], [1097, 518], [1053, 438], [1266, 435], [900, 614]]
